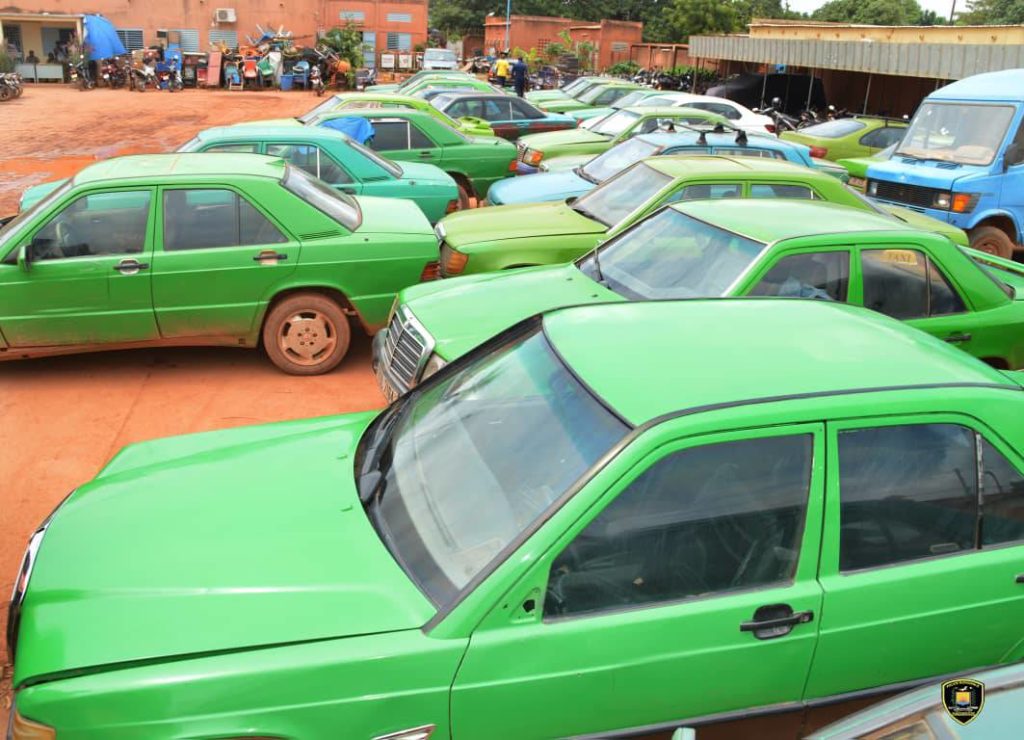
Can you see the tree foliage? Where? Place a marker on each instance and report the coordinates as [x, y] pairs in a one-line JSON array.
[[876, 12], [347, 42], [993, 12]]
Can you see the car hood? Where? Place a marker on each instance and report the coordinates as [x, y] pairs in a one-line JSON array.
[[566, 137], [857, 166], [939, 175], [565, 163], [425, 172], [36, 193], [392, 216], [499, 223], [587, 113], [213, 542], [496, 301], [927, 223], [539, 188]]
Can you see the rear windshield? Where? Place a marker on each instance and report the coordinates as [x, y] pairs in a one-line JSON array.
[[439, 55], [341, 207], [834, 129], [325, 107]]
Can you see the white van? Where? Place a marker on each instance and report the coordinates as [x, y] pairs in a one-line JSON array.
[[440, 59]]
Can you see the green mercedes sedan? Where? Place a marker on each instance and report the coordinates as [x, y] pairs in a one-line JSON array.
[[502, 237], [238, 250], [551, 537], [716, 248]]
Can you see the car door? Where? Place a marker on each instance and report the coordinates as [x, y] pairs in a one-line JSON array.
[[398, 139], [922, 554], [529, 120], [687, 589], [218, 258], [89, 277], [314, 160]]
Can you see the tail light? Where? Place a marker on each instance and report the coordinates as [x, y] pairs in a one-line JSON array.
[[453, 206], [819, 152], [512, 166], [454, 262], [431, 271], [770, 127]]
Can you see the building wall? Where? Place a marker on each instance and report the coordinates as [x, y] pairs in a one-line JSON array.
[[612, 38], [302, 17]]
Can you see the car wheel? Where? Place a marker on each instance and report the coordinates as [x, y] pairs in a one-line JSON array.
[[306, 334], [463, 194], [993, 240]]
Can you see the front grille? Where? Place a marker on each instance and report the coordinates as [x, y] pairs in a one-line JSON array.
[[911, 195], [405, 350]]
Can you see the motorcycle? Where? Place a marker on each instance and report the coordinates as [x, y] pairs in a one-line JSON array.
[[782, 121], [10, 86], [80, 76], [112, 71], [316, 80], [143, 75], [169, 76]]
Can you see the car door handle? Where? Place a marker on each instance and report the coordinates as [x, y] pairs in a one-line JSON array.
[[958, 338], [130, 267], [1019, 578], [426, 155], [775, 620], [269, 256]]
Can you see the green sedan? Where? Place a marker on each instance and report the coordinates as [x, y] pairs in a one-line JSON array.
[[238, 250], [423, 74], [569, 92], [501, 237], [633, 97], [614, 128], [788, 248], [548, 539], [849, 137], [339, 161], [598, 96], [345, 101]]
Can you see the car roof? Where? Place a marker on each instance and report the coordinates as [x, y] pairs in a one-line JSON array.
[[381, 96], [690, 138], [179, 165], [249, 132], [682, 356], [667, 110], [1002, 85], [772, 219], [685, 165]]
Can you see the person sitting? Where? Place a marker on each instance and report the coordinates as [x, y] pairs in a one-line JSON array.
[[31, 58]]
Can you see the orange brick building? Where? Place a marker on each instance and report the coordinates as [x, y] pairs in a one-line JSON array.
[[612, 39], [395, 26]]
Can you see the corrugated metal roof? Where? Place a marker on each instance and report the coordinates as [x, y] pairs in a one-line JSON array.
[[934, 61]]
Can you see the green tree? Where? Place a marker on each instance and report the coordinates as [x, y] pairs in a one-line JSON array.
[[347, 42], [687, 18], [993, 13], [875, 12]]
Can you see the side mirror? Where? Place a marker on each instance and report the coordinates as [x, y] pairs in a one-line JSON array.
[[25, 257]]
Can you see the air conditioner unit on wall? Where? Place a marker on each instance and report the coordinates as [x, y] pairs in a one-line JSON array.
[[225, 15]]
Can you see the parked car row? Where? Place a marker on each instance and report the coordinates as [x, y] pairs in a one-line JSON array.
[[699, 409]]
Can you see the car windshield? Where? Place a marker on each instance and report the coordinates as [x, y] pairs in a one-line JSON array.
[[671, 255], [341, 207], [8, 230], [833, 129], [438, 55], [578, 84], [965, 133], [462, 467], [325, 107], [385, 164], [615, 199], [592, 94], [615, 123], [885, 153], [618, 158], [632, 98]]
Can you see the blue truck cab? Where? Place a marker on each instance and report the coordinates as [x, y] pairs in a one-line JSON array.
[[962, 161]]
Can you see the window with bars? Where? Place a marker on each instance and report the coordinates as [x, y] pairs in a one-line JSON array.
[[131, 38], [228, 38], [399, 41], [188, 38], [399, 17], [352, 15], [12, 36]]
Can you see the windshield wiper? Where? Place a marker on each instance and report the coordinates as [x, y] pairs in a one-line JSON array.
[[579, 171], [372, 471], [925, 159]]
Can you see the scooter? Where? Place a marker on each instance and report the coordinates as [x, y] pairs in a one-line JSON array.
[[10, 86], [174, 81], [112, 72]]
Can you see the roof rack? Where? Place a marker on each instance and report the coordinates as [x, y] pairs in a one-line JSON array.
[[718, 128]]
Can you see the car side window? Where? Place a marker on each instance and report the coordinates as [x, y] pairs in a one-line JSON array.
[[234, 148], [906, 284], [458, 109], [746, 151], [303, 156], [330, 171], [608, 96], [700, 521], [497, 110], [706, 192], [1003, 495], [822, 275], [214, 217], [96, 225], [781, 190], [418, 139], [720, 108], [390, 136], [521, 111], [883, 137]]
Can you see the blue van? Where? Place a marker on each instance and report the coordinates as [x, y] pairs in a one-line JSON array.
[[962, 161]]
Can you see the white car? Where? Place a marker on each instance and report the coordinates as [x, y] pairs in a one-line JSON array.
[[440, 59], [738, 115]]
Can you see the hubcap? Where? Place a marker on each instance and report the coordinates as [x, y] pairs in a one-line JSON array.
[[307, 338]]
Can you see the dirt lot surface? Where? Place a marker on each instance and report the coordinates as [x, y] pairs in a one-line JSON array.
[[62, 418]]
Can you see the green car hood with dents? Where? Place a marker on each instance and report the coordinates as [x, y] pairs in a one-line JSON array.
[[927, 223], [211, 543], [495, 301], [500, 223], [565, 137]]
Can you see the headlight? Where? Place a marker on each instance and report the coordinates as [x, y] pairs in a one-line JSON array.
[[435, 363], [25, 729], [872, 187], [942, 201]]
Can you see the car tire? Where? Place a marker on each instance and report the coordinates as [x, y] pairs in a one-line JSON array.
[[463, 194], [993, 240], [306, 334]]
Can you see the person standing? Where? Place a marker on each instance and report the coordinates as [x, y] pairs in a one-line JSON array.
[[519, 72], [501, 69]]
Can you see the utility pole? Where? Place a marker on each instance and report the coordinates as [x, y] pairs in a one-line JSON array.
[[508, 23]]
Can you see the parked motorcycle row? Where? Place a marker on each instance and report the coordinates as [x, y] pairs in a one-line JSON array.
[[121, 72], [10, 86]]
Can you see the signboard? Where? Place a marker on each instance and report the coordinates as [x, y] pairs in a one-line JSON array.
[[405, 61], [387, 61]]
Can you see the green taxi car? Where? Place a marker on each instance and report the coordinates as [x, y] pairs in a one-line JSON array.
[[533, 149], [633, 97], [589, 507], [568, 92], [709, 249], [474, 162], [237, 250], [338, 160], [412, 81], [599, 96], [370, 99], [501, 237], [842, 138]]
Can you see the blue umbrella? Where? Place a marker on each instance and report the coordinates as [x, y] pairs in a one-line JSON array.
[[101, 38]]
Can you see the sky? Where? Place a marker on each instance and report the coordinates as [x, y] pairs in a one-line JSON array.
[[939, 6]]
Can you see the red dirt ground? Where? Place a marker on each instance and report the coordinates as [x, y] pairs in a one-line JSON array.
[[63, 418]]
